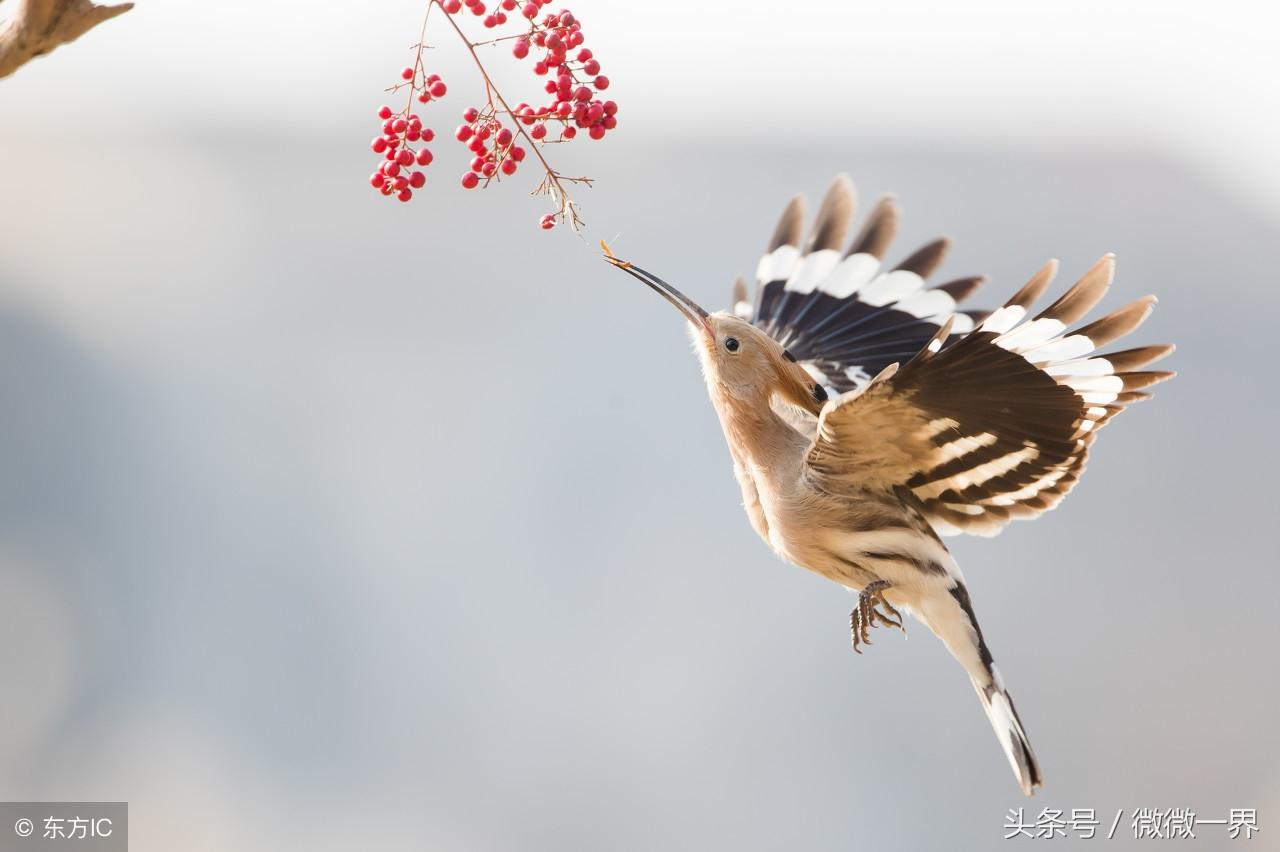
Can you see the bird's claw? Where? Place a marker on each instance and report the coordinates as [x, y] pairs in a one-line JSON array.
[[868, 614]]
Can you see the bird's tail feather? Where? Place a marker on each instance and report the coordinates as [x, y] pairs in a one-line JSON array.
[[1008, 727], [951, 618]]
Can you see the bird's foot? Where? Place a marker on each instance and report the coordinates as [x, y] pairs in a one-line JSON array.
[[868, 613]]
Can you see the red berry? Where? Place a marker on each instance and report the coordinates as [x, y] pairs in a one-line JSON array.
[[569, 133], [509, 5], [377, 179], [538, 131], [407, 73], [391, 169], [405, 194], [520, 49], [595, 112], [602, 82], [610, 107], [400, 182], [477, 9], [405, 157], [582, 93], [584, 54], [469, 180], [417, 180], [463, 133], [385, 112], [504, 137], [500, 17], [423, 98], [424, 157], [591, 67], [517, 153], [540, 68], [428, 134], [596, 131], [379, 145], [489, 169], [490, 21], [399, 125], [452, 6], [438, 89], [610, 122], [470, 114], [530, 10], [478, 163], [547, 222], [508, 167]]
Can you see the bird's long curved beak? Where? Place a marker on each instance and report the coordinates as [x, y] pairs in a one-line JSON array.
[[692, 311]]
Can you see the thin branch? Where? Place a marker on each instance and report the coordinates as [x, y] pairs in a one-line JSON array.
[[551, 184], [39, 26]]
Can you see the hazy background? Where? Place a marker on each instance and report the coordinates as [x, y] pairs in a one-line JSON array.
[[328, 522]]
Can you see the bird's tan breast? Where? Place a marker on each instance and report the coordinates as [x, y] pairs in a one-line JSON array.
[[794, 520], [850, 538]]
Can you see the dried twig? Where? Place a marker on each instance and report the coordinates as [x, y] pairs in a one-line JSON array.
[[38, 26]]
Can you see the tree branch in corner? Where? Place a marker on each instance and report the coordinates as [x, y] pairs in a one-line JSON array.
[[38, 26]]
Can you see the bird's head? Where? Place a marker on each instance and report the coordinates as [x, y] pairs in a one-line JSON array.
[[740, 361]]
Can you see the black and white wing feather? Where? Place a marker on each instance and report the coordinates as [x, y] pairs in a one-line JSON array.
[[840, 311], [997, 423]]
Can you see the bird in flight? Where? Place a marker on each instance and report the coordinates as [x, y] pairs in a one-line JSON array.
[[867, 415]]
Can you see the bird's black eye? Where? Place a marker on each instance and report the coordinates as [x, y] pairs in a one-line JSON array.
[[731, 343]]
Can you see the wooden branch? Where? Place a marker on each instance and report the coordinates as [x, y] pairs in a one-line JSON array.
[[38, 26]]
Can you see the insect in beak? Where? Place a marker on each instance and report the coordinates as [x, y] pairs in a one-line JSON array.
[[691, 310]]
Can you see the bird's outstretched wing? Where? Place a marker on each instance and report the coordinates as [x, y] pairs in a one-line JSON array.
[[996, 424], [843, 313]]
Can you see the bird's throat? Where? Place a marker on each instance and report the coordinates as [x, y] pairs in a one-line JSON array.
[[756, 432]]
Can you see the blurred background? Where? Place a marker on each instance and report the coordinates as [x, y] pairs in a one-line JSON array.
[[331, 522]]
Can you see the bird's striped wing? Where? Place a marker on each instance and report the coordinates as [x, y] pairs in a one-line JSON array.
[[997, 424], [842, 312]]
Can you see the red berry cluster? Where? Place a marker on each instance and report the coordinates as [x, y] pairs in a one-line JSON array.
[[492, 145], [395, 176], [490, 133], [576, 81]]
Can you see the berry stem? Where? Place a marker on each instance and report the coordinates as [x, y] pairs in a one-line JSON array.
[[500, 39], [417, 59]]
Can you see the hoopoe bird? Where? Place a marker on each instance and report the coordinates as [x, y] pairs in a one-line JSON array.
[[866, 416]]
